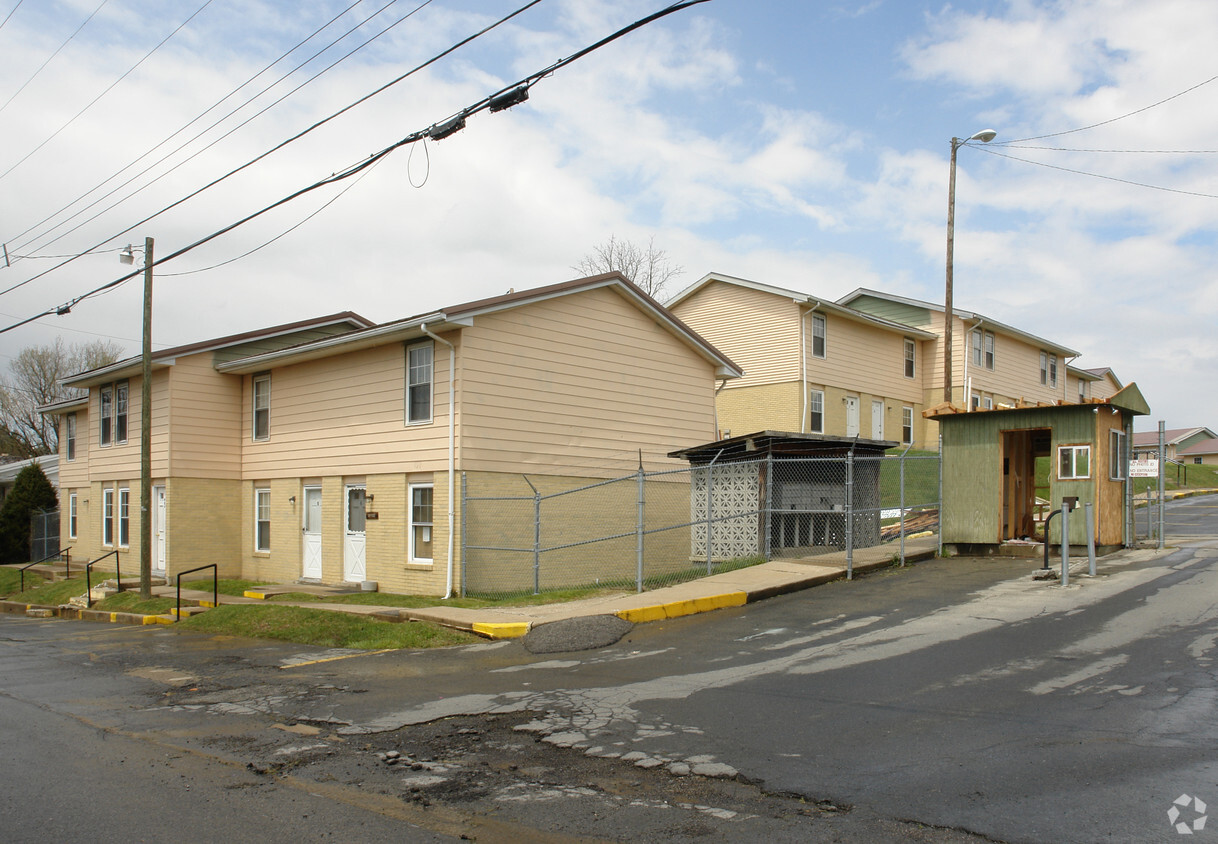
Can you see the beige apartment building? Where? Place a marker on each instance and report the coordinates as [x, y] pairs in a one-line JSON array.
[[332, 450], [869, 364]]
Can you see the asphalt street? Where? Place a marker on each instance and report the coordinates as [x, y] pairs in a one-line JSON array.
[[956, 700]]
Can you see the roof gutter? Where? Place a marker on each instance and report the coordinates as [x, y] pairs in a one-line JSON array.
[[452, 442]]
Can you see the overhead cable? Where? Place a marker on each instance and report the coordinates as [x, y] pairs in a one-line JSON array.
[[53, 55]]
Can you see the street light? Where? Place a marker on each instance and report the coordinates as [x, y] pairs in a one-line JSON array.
[[127, 256], [984, 136]]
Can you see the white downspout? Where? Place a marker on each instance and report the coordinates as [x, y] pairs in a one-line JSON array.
[[968, 356], [1066, 376], [715, 407], [452, 442], [803, 365]]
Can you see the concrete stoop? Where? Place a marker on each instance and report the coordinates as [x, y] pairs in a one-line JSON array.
[[79, 612]]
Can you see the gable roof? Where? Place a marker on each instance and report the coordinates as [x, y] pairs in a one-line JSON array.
[[799, 298], [1171, 436], [1198, 448], [463, 315], [165, 357], [959, 313]]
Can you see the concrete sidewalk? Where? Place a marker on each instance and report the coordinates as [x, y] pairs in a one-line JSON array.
[[730, 589]]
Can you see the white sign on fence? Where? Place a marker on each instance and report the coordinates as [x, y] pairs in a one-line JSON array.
[[1144, 468]]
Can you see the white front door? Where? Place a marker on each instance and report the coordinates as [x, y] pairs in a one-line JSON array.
[[311, 568], [354, 569], [852, 416], [877, 420], [158, 530]]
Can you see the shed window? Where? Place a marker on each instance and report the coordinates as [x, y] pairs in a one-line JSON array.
[[1118, 461], [1073, 462]]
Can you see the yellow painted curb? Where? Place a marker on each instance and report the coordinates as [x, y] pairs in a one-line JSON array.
[[261, 596], [676, 609], [501, 630]]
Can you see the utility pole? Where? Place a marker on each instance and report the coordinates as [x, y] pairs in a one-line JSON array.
[[146, 433]]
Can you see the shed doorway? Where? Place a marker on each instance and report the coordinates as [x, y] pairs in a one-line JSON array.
[[1019, 452]]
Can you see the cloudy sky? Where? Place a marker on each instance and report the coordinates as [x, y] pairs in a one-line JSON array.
[[795, 143]]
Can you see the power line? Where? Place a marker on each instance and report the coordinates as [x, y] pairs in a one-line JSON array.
[[110, 88], [502, 99], [989, 151], [53, 55], [204, 131], [1117, 151], [1110, 120], [10, 14], [283, 144]]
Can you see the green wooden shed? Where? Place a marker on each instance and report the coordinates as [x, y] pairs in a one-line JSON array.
[[990, 492]]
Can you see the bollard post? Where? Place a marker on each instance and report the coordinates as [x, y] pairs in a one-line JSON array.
[[1065, 544], [1090, 516]]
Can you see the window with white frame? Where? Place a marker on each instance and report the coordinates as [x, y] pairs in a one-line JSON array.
[[419, 376], [1073, 462], [911, 353], [108, 517], [421, 523], [816, 411], [260, 424], [1052, 370], [124, 517], [983, 348], [818, 336], [906, 425], [1082, 391], [987, 402], [105, 414], [262, 520], [120, 411], [72, 515], [1118, 461], [70, 435], [975, 402], [1048, 369]]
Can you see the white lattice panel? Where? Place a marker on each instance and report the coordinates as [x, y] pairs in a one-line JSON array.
[[734, 490]]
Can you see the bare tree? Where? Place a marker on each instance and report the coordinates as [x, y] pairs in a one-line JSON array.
[[33, 380], [650, 268]]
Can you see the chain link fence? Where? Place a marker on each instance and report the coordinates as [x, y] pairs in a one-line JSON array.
[[528, 534], [44, 534]]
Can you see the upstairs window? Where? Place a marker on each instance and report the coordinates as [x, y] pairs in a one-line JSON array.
[[120, 412], [818, 336], [1048, 369], [261, 402], [418, 383], [105, 414], [911, 352], [983, 348], [989, 350], [70, 437]]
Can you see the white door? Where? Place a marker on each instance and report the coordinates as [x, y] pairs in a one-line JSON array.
[[354, 569], [877, 420], [852, 416], [311, 568], [158, 530]]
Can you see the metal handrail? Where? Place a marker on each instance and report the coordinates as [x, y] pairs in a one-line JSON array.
[[67, 558], [215, 591], [118, 576]]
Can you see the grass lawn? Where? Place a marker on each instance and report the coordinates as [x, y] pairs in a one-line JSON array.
[[325, 628], [390, 599], [48, 593]]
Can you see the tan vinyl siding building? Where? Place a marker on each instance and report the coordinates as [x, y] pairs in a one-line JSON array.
[[333, 450]]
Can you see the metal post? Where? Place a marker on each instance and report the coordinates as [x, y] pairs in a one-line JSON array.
[[536, 536], [1065, 544], [464, 532], [1127, 511], [710, 505], [1162, 469], [639, 526], [146, 433], [940, 502], [1089, 513], [902, 502], [850, 514], [768, 512]]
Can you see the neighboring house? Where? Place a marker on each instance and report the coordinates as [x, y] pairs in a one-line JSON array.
[[1102, 384], [332, 450], [1204, 452], [1175, 440], [869, 364], [10, 471], [810, 365]]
